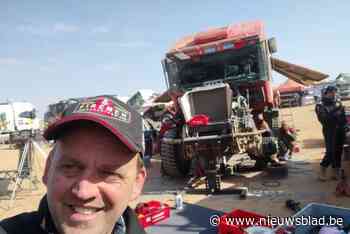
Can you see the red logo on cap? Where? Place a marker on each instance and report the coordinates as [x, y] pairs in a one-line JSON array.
[[103, 106]]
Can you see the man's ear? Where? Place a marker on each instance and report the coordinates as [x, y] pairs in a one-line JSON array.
[[139, 182], [48, 165]]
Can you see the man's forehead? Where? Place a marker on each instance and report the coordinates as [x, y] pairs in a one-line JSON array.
[[103, 157], [86, 130], [99, 159]]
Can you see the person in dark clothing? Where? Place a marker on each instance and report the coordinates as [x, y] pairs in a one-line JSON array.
[[93, 172], [331, 114], [149, 136], [173, 115]]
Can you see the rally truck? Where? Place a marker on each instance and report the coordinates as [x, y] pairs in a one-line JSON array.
[[219, 81]]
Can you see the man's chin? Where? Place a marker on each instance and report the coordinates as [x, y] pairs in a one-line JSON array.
[[82, 228]]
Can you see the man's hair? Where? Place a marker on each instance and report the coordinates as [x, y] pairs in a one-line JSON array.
[[140, 164]]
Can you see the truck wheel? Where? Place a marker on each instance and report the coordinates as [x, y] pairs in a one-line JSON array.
[[173, 162]]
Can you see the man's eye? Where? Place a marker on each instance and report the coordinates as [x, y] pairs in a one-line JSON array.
[[70, 169], [67, 165], [110, 176]]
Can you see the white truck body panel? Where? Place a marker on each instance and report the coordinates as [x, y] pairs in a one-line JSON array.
[[11, 119]]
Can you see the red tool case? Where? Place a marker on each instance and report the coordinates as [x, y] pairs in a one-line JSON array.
[[152, 212]]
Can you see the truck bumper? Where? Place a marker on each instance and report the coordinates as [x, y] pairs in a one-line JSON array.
[[196, 139], [206, 139]]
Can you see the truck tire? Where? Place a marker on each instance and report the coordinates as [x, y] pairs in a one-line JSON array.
[[173, 162]]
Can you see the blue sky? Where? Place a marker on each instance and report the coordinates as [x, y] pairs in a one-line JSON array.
[[51, 50]]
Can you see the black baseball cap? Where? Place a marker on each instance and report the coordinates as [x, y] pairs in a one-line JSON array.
[[330, 88], [123, 121]]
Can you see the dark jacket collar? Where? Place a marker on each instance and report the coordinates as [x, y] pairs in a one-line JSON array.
[[127, 224]]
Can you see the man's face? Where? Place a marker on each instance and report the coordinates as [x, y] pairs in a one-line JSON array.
[[90, 179], [331, 94]]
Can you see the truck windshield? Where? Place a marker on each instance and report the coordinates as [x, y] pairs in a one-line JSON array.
[[247, 63], [28, 114]]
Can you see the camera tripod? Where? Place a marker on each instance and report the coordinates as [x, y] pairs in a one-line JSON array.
[[25, 167]]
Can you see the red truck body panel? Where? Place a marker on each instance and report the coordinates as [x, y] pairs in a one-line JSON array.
[[233, 32]]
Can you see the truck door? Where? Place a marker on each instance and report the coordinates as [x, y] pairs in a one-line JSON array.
[[24, 116]]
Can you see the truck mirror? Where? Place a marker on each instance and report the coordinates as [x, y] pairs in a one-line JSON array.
[[272, 45]]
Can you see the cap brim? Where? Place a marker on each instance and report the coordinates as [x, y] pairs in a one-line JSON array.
[[52, 131]]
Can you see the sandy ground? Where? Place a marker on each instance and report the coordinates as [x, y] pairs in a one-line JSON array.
[[266, 196]]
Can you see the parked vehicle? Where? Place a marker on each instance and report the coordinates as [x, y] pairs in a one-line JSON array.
[[18, 120], [343, 84], [295, 94], [290, 99], [215, 81], [307, 97]]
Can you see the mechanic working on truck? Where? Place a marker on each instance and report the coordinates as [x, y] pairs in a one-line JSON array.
[[331, 114], [286, 141], [261, 124], [92, 173], [271, 147]]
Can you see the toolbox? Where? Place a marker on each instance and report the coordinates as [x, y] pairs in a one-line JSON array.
[[152, 212]]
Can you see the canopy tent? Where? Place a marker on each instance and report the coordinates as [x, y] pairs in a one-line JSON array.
[[290, 86]]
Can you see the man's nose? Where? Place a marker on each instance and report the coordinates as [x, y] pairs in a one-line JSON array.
[[84, 189]]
